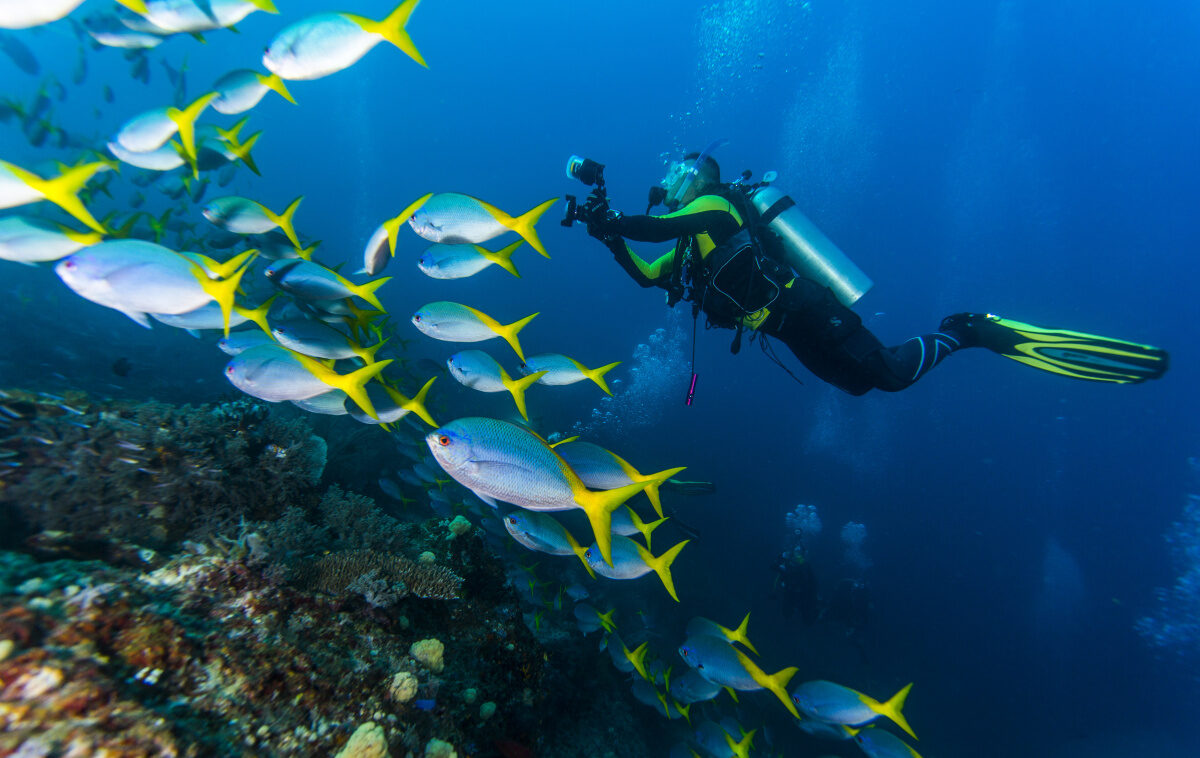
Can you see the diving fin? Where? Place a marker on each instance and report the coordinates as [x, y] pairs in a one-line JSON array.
[[1059, 351]]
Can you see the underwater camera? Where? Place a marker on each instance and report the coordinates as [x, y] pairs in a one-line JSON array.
[[590, 173]]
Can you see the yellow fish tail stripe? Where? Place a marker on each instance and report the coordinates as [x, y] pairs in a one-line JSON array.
[[259, 315], [645, 529], [83, 238], [414, 405], [273, 82], [501, 257], [892, 708], [367, 291], [606, 620], [227, 269], [242, 152], [137, 6], [185, 120], [663, 699], [264, 5], [741, 634], [776, 683], [222, 291], [392, 29], [63, 190], [368, 353], [653, 482], [564, 441], [732, 693], [741, 748], [579, 551], [684, 710], [353, 384], [523, 224], [637, 657], [517, 387], [597, 374], [392, 225], [285, 221], [662, 565], [509, 333], [599, 506], [230, 135]]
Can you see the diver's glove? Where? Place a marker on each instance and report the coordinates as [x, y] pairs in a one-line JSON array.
[[606, 226]]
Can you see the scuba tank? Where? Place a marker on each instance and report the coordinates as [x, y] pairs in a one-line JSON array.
[[806, 248]]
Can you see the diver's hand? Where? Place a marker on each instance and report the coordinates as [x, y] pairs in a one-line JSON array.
[[605, 226]]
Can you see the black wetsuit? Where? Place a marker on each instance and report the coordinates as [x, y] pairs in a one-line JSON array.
[[828, 338]]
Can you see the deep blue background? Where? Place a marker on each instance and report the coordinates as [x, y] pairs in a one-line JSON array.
[[1033, 159]]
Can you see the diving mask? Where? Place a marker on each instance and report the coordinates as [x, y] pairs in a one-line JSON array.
[[682, 174]]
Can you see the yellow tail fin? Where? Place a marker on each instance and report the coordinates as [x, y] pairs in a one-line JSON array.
[[517, 387], [741, 748], [285, 221], [597, 375], [259, 315], [137, 6], [220, 290], [392, 225], [414, 405], [653, 482], [368, 353], [509, 333], [645, 529], [580, 553], [606, 620], [367, 291], [273, 82], [264, 5], [741, 634], [353, 384], [662, 565], [776, 683], [242, 150], [392, 29], [523, 225], [892, 709], [637, 657], [502, 257], [599, 506], [185, 121], [63, 190]]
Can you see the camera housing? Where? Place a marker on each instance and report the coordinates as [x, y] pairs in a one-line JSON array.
[[590, 173]]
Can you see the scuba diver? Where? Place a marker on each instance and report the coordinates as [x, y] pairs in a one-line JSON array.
[[748, 258], [796, 582]]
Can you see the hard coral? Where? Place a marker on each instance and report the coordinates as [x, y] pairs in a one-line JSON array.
[[333, 574]]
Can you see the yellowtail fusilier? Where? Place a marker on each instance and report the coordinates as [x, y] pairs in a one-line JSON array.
[[836, 704], [194, 16], [242, 216], [166, 158], [605, 470], [718, 661], [542, 532], [242, 89], [627, 523], [460, 261], [138, 277], [382, 244], [240, 342], [319, 340], [391, 405], [332, 403], [30, 241], [702, 626], [20, 187], [208, 316], [693, 688], [326, 43], [454, 218], [23, 14], [110, 32], [589, 619], [563, 370], [151, 130], [631, 561], [501, 461], [312, 281], [480, 371], [454, 322], [877, 743], [274, 373]]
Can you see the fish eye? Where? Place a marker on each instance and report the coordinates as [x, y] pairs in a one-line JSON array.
[[417, 317], [443, 440]]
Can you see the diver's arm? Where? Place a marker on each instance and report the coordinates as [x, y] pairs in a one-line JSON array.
[[718, 224], [646, 274]]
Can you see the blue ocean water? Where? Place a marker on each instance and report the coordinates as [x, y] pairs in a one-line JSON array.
[[1032, 159]]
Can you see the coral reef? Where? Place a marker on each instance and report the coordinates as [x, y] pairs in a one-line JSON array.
[[356, 571], [151, 473]]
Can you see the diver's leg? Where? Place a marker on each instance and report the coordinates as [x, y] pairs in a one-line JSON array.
[[899, 367]]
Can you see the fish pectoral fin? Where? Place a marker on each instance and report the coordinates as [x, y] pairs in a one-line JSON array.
[[137, 316], [486, 498]]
